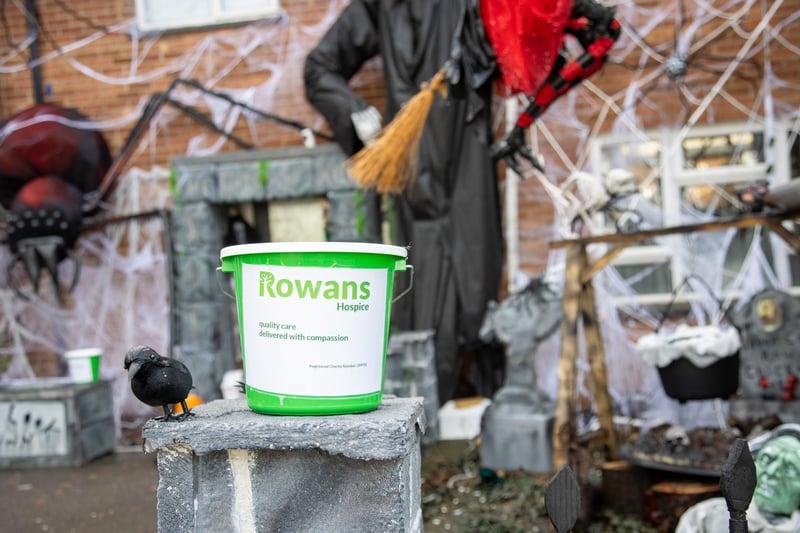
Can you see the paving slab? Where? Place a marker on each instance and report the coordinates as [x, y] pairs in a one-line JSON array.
[[114, 493]]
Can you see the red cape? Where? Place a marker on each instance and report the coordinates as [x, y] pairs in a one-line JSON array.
[[526, 36]]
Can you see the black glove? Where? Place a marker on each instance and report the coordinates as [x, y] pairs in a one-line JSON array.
[[600, 18], [513, 145]]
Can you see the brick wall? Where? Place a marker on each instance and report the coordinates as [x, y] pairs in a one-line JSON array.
[[110, 56]]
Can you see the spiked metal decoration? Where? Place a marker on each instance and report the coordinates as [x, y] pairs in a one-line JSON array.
[[737, 483], [562, 499]]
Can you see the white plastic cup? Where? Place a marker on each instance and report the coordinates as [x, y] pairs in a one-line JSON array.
[[84, 364]]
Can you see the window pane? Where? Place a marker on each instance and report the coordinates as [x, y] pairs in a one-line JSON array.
[[248, 5], [717, 167], [718, 199], [738, 250], [175, 12], [647, 279], [733, 149]]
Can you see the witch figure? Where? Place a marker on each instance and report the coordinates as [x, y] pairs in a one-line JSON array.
[[450, 217]]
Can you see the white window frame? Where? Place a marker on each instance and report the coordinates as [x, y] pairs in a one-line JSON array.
[[673, 176], [218, 15]]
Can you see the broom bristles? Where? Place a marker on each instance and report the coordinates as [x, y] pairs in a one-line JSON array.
[[389, 163]]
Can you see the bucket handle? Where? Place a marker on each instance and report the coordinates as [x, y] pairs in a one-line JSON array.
[[221, 286], [675, 292], [410, 283]]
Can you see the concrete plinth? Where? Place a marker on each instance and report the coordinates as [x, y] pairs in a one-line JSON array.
[[517, 435], [231, 469], [53, 422]]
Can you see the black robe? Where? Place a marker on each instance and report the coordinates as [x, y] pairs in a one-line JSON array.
[[451, 218]]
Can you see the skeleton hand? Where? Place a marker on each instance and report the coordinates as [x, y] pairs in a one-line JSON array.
[[367, 123], [514, 145]]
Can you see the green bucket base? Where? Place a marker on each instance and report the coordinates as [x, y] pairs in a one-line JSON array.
[[270, 403]]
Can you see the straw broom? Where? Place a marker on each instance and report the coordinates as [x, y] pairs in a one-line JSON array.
[[389, 163]]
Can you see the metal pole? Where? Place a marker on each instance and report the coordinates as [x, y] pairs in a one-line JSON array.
[[511, 207], [33, 33]]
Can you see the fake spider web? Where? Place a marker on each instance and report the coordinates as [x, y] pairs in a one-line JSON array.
[[131, 306], [681, 67]]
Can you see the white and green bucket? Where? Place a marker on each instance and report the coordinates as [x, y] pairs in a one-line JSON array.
[[314, 323], [84, 364]]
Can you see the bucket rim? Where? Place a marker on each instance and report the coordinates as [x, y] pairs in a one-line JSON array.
[[83, 352], [325, 246]]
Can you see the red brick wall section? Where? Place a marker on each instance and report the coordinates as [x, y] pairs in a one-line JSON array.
[[110, 56]]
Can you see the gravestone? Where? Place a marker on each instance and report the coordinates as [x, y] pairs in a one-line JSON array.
[[769, 326], [517, 428]]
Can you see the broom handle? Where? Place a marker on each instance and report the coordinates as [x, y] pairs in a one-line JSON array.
[[437, 84]]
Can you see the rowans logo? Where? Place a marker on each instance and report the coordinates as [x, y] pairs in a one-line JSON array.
[[268, 285]]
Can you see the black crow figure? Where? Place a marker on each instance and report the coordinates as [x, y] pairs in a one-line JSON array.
[[158, 381]]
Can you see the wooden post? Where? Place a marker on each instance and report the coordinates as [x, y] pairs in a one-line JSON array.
[[624, 486], [597, 364], [564, 423], [672, 498]]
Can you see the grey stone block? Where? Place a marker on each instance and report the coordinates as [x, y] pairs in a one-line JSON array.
[[343, 219], [411, 372], [197, 227], [195, 182], [55, 423], [517, 436], [291, 178], [199, 324], [243, 181], [175, 463], [353, 216], [331, 174], [198, 276], [231, 469]]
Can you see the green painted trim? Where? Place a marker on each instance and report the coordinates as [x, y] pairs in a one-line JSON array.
[[361, 217], [263, 172], [173, 182]]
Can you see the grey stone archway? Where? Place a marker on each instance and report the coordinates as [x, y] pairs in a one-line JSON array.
[[203, 327]]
